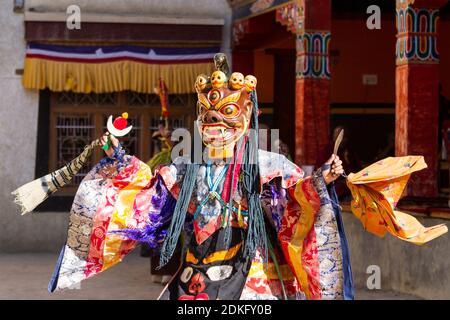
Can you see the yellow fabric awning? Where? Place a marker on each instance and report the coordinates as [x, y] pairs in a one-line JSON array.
[[111, 76], [101, 69]]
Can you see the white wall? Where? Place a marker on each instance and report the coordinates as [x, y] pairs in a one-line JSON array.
[[180, 8], [18, 132], [422, 271]]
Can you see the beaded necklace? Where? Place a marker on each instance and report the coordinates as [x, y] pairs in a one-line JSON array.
[[212, 191]]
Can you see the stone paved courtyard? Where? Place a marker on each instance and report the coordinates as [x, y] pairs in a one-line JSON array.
[[25, 276]]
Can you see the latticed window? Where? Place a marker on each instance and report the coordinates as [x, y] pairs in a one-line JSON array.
[[77, 119]]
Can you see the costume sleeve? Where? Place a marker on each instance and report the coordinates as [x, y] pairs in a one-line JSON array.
[[313, 242], [306, 216], [118, 197]]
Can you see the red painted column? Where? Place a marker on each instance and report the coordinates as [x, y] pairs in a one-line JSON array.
[[311, 21], [417, 83]]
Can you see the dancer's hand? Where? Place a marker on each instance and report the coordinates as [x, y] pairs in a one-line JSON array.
[[333, 169], [114, 142]]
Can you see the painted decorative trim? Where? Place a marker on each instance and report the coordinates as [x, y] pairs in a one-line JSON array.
[[313, 55], [291, 16], [261, 5], [312, 45], [416, 35], [240, 28], [247, 9]]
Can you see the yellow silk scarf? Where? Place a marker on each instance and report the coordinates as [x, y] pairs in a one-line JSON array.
[[376, 191]]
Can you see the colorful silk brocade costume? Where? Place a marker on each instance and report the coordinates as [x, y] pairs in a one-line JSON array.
[[134, 199], [251, 230]]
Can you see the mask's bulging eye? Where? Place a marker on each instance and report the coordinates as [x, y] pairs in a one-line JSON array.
[[218, 273], [214, 96], [186, 274], [230, 110]]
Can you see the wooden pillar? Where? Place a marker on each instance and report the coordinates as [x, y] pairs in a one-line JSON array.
[[417, 83], [310, 20]]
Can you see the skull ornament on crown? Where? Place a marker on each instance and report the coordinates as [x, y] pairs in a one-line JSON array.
[[224, 110]]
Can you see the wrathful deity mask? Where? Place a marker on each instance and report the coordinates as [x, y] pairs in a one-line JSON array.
[[224, 110]]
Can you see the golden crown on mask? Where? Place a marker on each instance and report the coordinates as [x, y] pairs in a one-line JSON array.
[[218, 80]]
